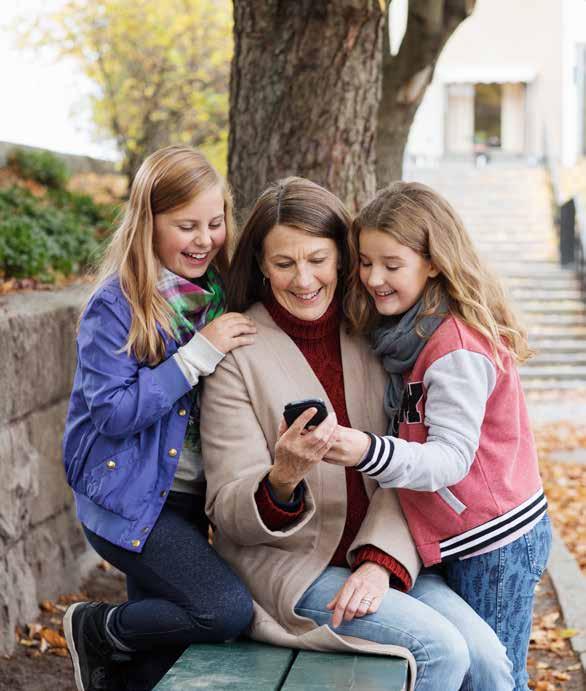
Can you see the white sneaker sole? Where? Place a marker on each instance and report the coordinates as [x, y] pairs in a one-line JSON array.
[[68, 629]]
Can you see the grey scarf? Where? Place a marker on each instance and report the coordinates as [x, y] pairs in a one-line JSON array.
[[398, 344]]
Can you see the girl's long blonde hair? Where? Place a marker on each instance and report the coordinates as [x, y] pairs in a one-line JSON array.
[[416, 216], [168, 179]]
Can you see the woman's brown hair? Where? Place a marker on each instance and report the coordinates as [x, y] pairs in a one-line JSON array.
[[417, 217], [294, 202]]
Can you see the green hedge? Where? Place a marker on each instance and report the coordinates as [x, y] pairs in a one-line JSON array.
[[41, 166], [59, 233]]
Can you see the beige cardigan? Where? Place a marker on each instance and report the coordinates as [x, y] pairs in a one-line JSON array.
[[242, 404]]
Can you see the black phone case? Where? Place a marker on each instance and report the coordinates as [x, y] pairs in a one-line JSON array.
[[293, 411]]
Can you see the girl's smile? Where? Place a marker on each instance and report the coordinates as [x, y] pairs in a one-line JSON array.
[[393, 274]]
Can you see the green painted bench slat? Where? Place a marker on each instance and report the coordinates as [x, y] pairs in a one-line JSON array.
[[245, 666], [341, 671]]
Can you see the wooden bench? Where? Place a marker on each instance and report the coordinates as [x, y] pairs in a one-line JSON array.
[[250, 666]]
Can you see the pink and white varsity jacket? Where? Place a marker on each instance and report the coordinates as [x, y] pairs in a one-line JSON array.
[[463, 455]]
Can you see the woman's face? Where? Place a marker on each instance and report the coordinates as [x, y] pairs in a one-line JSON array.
[[302, 269], [189, 237]]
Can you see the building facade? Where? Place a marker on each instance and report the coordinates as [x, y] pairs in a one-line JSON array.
[[510, 82]]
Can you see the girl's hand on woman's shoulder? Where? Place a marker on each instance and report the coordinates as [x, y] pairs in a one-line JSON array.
[[348, 448], [229, 331], [361, 594]]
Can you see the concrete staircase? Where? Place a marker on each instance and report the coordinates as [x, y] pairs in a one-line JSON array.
[[508, 211]]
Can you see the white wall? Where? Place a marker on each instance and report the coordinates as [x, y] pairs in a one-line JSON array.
[[507, 37], [574, 32], [426, 137]]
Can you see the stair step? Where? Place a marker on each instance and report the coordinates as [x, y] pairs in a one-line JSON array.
[[536, 320], [521, 295], [550, 279], [547, 358], [555, 330], [566, 372], [577, 307], [541, 385], [530, 268], [546, 345], [543, 287]]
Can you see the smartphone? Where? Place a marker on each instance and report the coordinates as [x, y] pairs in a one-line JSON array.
[[294, 409]]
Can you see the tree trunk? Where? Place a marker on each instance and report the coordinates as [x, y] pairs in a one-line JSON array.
[[304, 93], [407, 75]]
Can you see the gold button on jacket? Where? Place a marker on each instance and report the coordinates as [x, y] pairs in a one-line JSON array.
[[172, 452]]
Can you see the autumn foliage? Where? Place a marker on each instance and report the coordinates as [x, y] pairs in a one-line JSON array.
[[161, 69]]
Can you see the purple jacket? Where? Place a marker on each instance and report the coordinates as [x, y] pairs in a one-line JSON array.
[[125, 426]]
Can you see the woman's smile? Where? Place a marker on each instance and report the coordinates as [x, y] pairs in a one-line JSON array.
[[307, 297]]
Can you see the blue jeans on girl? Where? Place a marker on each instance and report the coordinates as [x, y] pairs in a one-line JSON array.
[[452, 646], [500, 586], [180, 592]]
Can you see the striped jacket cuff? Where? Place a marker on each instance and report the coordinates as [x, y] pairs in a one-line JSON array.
[[378, 457]]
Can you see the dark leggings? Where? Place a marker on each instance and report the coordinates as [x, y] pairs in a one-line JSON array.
[[180, 590]]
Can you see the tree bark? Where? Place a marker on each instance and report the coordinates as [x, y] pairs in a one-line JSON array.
[[407, 75], [304, 93]]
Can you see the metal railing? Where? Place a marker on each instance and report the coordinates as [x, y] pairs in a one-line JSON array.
[[571, 222], [580, 241]]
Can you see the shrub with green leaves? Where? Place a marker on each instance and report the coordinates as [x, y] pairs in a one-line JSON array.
[[42, 166], [41, 237], [24, 252]]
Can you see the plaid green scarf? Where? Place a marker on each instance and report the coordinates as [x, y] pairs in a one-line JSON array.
[[193, 306]]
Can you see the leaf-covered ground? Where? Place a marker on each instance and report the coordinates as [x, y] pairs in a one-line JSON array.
[[562, 452]]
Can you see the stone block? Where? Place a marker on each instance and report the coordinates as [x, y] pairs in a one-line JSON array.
[[45, 433], [37, 342], [18, 595], [19, 462], [53, 550]]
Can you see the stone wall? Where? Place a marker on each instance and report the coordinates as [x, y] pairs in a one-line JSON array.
[[75, 163], [41, 544]]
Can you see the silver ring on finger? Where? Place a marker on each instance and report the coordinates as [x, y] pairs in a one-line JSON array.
[[365, 601]]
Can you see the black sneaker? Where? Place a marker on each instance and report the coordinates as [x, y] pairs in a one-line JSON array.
[[94, 659]]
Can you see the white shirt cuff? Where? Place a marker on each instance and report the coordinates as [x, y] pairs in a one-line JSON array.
[[197, 358]]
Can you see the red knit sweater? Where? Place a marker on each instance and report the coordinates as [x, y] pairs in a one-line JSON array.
[[319, 342]]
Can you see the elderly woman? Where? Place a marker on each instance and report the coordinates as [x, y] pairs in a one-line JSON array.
[[325, 552]]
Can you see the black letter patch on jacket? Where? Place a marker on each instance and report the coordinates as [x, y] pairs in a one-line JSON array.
[[408, 413]]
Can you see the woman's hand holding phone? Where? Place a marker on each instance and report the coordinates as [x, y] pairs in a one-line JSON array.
[[298, 450]]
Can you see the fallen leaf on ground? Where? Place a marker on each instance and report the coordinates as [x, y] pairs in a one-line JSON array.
[[53, 638]]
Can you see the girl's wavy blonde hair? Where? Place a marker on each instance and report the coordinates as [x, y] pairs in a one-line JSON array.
[[167, 180], [418, 217]]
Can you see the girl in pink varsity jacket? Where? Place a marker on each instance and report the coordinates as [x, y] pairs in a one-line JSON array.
[[459, 448]]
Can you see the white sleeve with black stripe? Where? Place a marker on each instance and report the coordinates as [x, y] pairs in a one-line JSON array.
[[458, 386]]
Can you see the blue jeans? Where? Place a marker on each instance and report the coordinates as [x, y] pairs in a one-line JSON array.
[[500, 586], [180, 592], [450, 643]]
